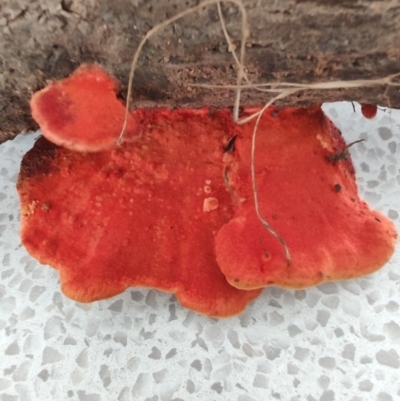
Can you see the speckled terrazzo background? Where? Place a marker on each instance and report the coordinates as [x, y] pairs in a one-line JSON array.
[[338, 341]]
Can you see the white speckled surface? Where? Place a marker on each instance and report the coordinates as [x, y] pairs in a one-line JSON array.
[[339, 341]]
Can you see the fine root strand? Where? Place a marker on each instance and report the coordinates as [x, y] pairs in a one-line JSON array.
[[288, 88], [264, 222]]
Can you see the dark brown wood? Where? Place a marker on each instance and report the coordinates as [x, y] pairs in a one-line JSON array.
[[293, 40]]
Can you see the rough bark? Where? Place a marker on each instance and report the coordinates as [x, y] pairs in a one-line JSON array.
[[293, 40]]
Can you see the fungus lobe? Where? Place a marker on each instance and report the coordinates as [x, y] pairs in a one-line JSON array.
[[310, 199], [82, 112], [134, 215]]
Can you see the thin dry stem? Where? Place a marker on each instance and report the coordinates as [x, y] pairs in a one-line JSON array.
[[253, 173], [168, 21], [238, 62], [231, 47], [388, 80], [286, 88]]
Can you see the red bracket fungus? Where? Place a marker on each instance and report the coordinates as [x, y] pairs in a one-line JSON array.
[[173, 207], [307, 192]]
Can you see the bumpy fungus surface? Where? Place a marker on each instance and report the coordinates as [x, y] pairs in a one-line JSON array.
[[82, 111], [308, 194], [143, 214]]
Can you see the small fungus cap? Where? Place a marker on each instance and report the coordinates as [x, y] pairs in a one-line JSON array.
[[82, 112]]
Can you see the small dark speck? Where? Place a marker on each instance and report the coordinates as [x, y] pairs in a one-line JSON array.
[[44, 375], [236, 280], [274, 113], [172, 312], [217, 387], [338, 332], [196, 364], [230, 147], [155, 353], [171, 353], [107, 352], [377, 219], [8, 371], [338, 187]]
